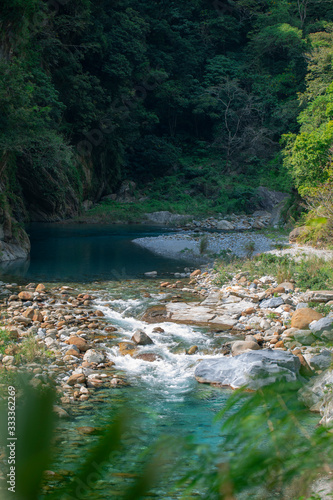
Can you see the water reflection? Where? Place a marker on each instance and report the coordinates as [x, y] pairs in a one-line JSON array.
[[68, 252], [18, 267]]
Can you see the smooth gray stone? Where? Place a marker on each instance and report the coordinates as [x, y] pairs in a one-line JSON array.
[[253, 369], [318, 327], [321, 361], [305, 337], [271, 303], [141, 338], [302, 305]]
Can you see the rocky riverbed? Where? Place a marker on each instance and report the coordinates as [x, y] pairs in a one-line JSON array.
[[186, 245], [258, 330]]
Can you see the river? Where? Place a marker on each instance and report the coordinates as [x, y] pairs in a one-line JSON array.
[[163, 397]]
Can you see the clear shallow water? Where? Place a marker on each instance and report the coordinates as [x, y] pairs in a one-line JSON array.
[[77, 252], [163, 398]]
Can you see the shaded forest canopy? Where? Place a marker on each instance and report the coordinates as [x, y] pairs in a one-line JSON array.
[[188, 99]]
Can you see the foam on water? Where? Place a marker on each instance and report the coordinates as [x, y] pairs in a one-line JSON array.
[[172, 376]]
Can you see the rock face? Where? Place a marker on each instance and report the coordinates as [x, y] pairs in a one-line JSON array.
[[253, 369], [268, 199], [14, 241], [302, 318], [271, 201]]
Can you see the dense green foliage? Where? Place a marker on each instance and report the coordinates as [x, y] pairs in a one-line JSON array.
[[199, 92]]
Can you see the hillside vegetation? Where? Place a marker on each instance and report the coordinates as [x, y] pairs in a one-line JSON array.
[[201, 100]]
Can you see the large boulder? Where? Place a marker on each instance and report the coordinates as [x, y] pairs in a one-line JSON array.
[[296, 233], [302, 318], [253, 369]]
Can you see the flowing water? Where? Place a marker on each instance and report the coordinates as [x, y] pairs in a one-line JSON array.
[[163, 397]]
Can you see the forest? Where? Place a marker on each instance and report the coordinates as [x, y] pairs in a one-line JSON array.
[[196, 102]]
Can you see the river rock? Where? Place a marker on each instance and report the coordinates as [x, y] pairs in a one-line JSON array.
[[304, 337], [302, 318], [253, 369], [192, 350], [191, 314], [148, 356], [321, 361], [26, 296], [8, 360], [77, 378], [224, 322], [318, 395], [29, 313], [302, 305], [165, 217], [60, 412], [127, 348], [40, 288], [195, 273], [288, 287], [99, 313], [141, 338], [319, 296], [86, 430], [92, 356], [158, 329], [322, 325], [72, 352], [79, 343], [241, 346], [225, 225], [271, 303], [23, 321]]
